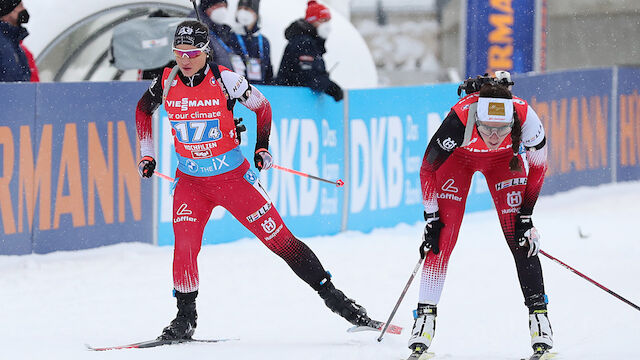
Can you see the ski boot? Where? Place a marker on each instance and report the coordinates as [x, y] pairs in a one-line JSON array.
[[541, 332], [539, 326], [343, 306], [184, 325], [424, 328]]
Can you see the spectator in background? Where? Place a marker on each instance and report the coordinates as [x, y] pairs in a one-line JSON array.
[[302, 63], [213, 14], [35, 76], [251, 45], [14, 65]]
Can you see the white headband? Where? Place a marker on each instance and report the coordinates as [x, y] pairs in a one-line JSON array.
[[495, 109]]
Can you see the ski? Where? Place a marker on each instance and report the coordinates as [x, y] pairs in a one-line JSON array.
[[541, 356], [424, 356], [154, 343], [420, 354], [376, 326]]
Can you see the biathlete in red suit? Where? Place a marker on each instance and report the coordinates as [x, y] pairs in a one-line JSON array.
[[213, 172], [478, 135]]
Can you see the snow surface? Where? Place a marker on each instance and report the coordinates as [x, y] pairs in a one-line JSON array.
[[53, 304]]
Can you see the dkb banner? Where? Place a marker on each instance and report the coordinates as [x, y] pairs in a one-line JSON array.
[[389, 130], [307, 136]]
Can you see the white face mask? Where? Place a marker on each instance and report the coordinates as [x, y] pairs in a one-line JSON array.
[[324, 29], [246, 17], [218, 15]]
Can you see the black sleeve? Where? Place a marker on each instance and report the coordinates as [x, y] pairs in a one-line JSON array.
[[447, 138], [152, 98]]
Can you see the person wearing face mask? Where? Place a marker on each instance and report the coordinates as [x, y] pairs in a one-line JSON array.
[[14, 64], [252, 46], [302, 63], [213, 13], [490, 131]]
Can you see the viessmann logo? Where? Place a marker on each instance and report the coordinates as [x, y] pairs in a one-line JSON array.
[[185, 103]]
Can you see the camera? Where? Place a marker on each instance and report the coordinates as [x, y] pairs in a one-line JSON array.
[[471, 85]]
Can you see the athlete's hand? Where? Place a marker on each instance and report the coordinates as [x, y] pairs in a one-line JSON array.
[[431, 236], [262, 159], [240, 128], [526, 235], [146, 166]]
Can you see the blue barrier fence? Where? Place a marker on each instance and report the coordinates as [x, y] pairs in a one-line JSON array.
[[68, 156]]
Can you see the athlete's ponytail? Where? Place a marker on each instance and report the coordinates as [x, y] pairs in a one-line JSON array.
[[516, 134]]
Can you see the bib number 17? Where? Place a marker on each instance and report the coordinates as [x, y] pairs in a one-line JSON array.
[[190, 132]]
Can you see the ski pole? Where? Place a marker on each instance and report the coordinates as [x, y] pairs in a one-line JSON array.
[[163, 176], [395, 308], [591, 281], [338, 183], [196, 10]]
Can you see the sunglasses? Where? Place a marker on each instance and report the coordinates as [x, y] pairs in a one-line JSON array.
[[498, 130], [191, 53]]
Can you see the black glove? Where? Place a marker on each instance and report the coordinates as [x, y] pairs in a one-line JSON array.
[[335, 91], [431, 236], [526, 235], [262, 159], [240, 128], [146, 166]]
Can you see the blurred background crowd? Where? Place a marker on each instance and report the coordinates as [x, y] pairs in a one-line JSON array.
[[369, 43]]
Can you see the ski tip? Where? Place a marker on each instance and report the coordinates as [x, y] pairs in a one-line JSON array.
[[394, 329]]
